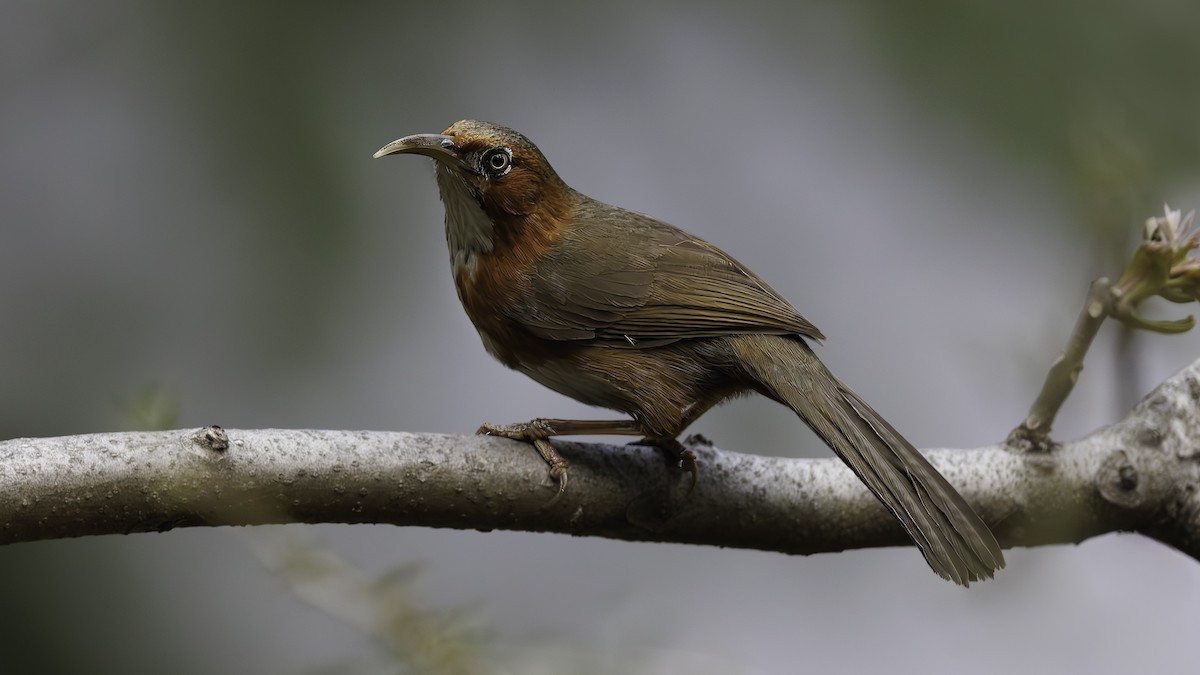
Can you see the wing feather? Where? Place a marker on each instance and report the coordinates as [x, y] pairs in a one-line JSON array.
[[624, 279]]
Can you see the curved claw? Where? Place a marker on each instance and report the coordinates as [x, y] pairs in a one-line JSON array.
[[536, 433], [560, 473], [687, 460]]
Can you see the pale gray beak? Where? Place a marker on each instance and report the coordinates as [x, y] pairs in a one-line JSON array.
[[437, 146]]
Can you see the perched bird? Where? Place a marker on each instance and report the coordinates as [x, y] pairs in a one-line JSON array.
[[619, 310]]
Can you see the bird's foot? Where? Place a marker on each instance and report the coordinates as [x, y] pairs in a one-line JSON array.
[[538, 433], [522, 431], [679, 453]]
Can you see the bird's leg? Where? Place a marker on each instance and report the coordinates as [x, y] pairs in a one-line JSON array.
[[540, 430]]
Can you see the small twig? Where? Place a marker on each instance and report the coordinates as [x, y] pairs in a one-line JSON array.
[[1034, 432], [1160, 266]]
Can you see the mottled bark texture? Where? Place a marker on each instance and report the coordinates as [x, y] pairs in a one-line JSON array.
[[1139, 475]]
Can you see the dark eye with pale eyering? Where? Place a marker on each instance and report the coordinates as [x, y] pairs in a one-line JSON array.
[[496, 162]]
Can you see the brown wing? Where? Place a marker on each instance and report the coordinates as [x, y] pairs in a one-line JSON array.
[[623, 279]]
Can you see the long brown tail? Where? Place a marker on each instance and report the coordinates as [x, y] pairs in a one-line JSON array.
[[953, 539]]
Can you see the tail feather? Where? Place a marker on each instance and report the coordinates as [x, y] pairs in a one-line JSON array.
[[963, 540], [953, 539]]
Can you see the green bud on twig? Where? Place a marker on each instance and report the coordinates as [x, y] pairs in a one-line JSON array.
[[1161, 266]]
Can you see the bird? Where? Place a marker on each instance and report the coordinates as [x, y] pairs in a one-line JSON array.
[[619, 310]]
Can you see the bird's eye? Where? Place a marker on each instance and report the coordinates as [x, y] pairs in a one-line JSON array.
[[497, 161]]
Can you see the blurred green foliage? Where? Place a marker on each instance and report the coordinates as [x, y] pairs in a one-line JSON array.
[[1104, 94]]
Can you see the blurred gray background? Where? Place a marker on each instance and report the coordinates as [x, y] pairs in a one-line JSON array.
[[192, 230]]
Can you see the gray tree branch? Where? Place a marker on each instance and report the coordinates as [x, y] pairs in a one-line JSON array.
[[1139, 475]]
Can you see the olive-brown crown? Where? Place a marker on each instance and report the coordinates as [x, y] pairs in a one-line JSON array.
[[509, 173]]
